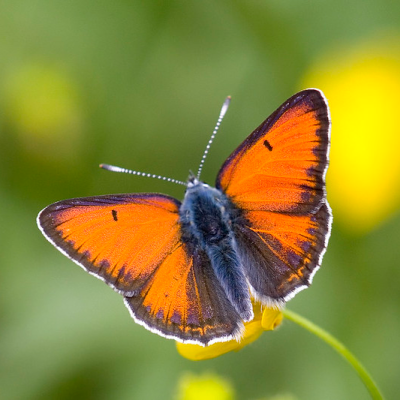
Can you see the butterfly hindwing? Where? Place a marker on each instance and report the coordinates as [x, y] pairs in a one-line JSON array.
[[276, 179], [133, 243], [184, 300], [282, 252]]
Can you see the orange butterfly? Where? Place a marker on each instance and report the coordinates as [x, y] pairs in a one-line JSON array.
[[189, 270]]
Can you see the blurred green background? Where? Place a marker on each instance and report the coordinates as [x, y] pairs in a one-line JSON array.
[[139, 84]]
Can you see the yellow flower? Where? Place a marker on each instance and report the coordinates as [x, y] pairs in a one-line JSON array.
[[211, 386], [265, 319], [362, 86], [207, 386]]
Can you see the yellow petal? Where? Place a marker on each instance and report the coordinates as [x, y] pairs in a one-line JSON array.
[[264, 319], [271, 319]]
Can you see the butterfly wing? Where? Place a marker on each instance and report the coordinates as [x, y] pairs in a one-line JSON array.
[[190, 306], [281, 252], [276, 178], [133, 243], [281, 165]]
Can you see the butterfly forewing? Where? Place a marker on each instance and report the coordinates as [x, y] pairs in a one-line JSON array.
[[281, 165], [113, 237]]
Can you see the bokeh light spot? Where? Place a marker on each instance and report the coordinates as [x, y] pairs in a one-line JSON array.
[[362, 86], [207, 386], [42, 109]]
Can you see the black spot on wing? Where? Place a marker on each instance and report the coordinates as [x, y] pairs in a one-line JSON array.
[[267, 145], [114, 214]]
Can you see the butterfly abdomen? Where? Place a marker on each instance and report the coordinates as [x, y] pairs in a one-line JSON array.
[[206, 223]]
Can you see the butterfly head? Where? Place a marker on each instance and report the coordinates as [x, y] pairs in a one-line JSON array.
[[193, 181]]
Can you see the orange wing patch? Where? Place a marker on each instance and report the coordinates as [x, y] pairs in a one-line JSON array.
[[281, 165], [165, 292]]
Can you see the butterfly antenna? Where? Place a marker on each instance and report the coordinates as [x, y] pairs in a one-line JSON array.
[[221, 116], [113, 168]]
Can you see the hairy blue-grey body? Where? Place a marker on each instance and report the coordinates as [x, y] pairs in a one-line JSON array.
[[206, 217]]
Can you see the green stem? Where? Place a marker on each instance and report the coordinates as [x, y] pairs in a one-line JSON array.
[[340, 348]]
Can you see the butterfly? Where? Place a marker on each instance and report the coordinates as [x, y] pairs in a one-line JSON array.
[[189, 270]]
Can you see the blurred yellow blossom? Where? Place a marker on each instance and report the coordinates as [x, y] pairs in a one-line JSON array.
[[362, 85], [210, 386], [42, 108], [207, 386], [265, 319]]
